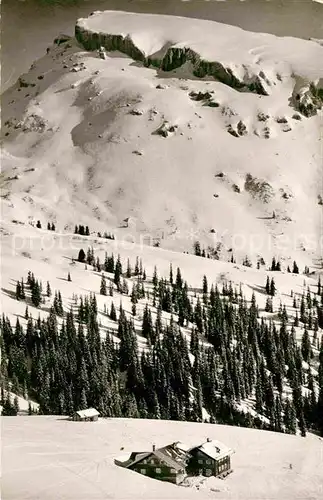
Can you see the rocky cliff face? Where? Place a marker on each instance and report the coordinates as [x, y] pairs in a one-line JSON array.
[[174, 58], [93, 41], [307, 98]]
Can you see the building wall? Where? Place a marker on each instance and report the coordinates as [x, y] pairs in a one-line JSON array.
[[201, 464], [223, 465], [153, 467], [77, 418]]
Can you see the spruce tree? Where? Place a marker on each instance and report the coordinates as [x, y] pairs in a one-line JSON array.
[[81, 256], [302, 424], [296, 320], [155, 277], [103, 285], [278, 415], [16, 404], [179, 279], [118, 272], [18, 290], [306, 346], [295, 268], [60, 304], [289, 417], [22, 290], [35, 294], [113, 313], [197, 248], [205, 285], [269, 305], [136, 271], [171, 279], [128, 272], [272, 287]]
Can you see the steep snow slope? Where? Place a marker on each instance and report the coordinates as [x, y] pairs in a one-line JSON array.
[[50, 257], [50, 457], [84, 142]]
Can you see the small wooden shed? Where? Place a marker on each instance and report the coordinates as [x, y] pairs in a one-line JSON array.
[[88, 415]]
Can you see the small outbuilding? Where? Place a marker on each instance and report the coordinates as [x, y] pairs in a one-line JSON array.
[[88, 415]]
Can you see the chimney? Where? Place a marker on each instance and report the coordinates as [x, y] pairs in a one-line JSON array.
[[209, 440], [154, 447]]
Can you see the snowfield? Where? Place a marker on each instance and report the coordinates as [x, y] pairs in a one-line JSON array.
[[49, 255], [49, 457]]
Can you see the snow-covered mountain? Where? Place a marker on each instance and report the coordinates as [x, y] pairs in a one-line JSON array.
[[195, 131], [148, 134]]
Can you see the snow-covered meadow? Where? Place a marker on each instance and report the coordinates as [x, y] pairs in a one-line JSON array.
[[49, 457]]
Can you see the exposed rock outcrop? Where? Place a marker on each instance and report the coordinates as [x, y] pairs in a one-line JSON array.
[[165, 129], [307, 97], [94, 41], [241, 128], [231, 131], [200, 96], [205, 97], [262, 117], [258, 188], [30, 123]]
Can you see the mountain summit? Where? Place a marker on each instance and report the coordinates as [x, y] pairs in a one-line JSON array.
[[189, 129]]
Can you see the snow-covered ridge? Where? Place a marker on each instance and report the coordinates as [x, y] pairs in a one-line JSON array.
[[245, 61], [98, 139]]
